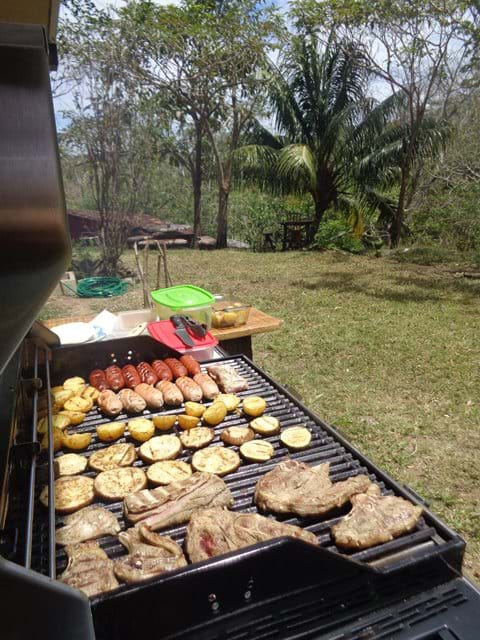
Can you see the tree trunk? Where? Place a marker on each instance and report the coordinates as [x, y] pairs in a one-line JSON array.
[[320, 207], [395, 230], [197, 177], [223, 194]]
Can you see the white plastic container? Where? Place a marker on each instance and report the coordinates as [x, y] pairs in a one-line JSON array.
[[132, 322]]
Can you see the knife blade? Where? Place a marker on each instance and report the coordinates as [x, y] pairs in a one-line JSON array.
[[198, 330], [180, 330]]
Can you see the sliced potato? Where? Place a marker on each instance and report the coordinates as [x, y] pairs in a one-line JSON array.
[[160, 448], [254, 406], [230, 400], [75, 417], [194, 409], [76, 441], [257, 450], [168, 471], [58, 422], [71, 493], [77, 403], [218, 460], [115, 484], [296, 438], [90, 392], [215, 414], [265, 425], [57, 440], [70, 464], [197, 437], [60, 397], [111, 431], [141, 429], [164, 423], [73, 383], [57, 388], [237, 435], [187, 422], [122, 454]]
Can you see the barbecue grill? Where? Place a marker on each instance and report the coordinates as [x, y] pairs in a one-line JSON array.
[[410, 588]]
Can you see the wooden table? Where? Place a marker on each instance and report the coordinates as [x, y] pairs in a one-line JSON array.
[[295, 233], [232, 339]]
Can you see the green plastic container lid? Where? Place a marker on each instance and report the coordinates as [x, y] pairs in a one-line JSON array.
[[185, 296]]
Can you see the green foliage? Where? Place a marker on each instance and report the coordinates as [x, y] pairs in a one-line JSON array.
[[336, 233], [426, 255]]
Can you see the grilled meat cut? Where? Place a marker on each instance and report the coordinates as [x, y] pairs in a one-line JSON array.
[[175, 503], [375, 519], [149, 554], [212, 532], [227, 378], [89, 569], [294, 487], [87, 524]]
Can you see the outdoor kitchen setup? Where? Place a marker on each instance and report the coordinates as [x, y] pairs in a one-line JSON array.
[[271, 525]]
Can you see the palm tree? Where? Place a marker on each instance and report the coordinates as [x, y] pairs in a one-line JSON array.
[[332, 141]]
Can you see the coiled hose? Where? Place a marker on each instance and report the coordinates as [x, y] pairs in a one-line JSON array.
[[100, 287]]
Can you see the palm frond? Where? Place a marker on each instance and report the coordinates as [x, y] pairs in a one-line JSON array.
[[296, 164]]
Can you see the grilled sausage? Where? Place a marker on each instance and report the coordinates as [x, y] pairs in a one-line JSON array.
[[171, 393], [131, 376], [132, 402], [189, 388], [153, 397], [146, 373], [98, 380], [176, 367], [115, 377], [208, 386], [110, 403], [162, 370], [191, 365]]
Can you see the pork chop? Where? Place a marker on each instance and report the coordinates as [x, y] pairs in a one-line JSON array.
[[87, 524], [294, 487], [212, 532], [375, 519], [175, 503], [89, 569], [149, 554]]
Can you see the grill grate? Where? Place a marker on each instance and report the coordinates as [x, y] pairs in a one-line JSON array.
[[326, 446]]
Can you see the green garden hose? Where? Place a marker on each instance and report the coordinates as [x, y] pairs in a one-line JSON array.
[[100, 287]]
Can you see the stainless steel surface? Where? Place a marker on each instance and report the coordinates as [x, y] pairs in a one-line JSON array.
[[34, 240]]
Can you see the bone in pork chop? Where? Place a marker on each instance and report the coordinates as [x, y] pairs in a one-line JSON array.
[[375, 519], [175, 503], [212, 532], [294, 487], [149, 554], [89, 569], [87, 524]]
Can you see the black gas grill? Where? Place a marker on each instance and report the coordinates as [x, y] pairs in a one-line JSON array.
[[278, 589]]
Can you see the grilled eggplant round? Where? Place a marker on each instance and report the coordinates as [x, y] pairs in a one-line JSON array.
[[115, 484], [71, 493], [117, 455], [217, 460]]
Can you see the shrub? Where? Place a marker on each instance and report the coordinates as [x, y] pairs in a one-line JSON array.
[[335, 233]]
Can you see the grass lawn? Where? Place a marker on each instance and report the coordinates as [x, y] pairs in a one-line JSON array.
[[387, 351]]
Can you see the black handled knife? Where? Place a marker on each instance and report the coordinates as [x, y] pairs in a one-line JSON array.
[[181, 331]]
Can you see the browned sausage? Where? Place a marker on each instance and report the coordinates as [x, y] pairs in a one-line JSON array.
[[131, 376], [171, 393], [162, 370], [190, 389], [191, 365], [98, 380], [209, 387], [146, 373], [115, 377], [176, 367]]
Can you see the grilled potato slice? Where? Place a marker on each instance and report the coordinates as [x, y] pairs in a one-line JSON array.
[[75, 417], [58, 422], [237, 435], [57, 440], [73, 383], [91, 392], [215, 414], [70, 464], [122, 454], [217, 460], [230, 400], [194, 409], [254, 406], [187, 422], [111, 431], [60, 397], [257, 450], [141, 429], [57, 388], [168, 471], [76, 441], [265, 425], [115, 484], [197, 437], [160, 448], [296, 438], [164, 423], [71, 493], [79, 404]]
